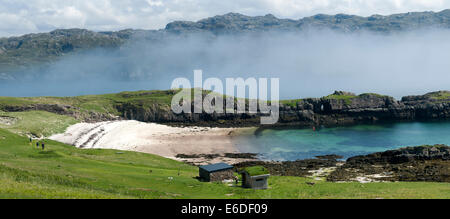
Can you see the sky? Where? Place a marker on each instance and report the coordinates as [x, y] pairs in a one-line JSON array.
[[31, 16]]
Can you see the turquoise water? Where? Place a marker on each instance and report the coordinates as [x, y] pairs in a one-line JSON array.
[[293, 144]]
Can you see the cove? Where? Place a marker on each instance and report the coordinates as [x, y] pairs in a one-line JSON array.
[[300, 143]]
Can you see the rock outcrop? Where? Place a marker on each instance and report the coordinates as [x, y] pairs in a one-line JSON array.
[[403, 155], [422, 163]]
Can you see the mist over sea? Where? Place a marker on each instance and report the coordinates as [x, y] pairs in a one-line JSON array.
[[309, 64]]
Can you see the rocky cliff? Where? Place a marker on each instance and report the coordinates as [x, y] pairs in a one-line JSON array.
[[340, 108]]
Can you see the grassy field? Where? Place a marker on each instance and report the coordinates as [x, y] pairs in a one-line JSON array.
[[346, 98], [36, 123], [441, 95], [62, 171]]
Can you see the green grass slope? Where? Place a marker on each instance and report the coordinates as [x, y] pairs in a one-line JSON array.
[[62, 171], [36, 123]]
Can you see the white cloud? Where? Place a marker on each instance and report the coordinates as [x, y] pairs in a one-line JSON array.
[[24, 16], [12, 24], [155, 3]]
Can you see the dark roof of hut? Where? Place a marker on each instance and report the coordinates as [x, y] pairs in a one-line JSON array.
[[216, 167]]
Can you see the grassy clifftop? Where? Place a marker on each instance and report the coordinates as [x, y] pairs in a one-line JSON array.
[[94, 103]]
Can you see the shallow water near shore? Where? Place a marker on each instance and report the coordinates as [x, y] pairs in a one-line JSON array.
[[301, 143]]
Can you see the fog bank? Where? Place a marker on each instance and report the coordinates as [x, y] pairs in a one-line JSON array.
[[311, 64]]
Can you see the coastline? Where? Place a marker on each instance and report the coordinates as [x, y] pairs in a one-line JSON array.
[[195, 145]]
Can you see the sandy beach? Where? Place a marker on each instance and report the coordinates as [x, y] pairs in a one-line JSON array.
[[154, 138]]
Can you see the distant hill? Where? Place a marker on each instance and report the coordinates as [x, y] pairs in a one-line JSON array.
[[237, 23], [36, 48], [31, 49]]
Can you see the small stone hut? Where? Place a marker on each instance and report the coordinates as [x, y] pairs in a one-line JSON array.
[[216, 172], [255, 177]]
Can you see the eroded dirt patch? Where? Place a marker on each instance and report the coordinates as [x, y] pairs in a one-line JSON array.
[[7, 120]]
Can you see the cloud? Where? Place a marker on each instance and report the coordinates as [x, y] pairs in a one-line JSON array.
[[24, 16], [13, 24]]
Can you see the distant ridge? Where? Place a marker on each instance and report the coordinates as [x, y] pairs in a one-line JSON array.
[[235, 23]]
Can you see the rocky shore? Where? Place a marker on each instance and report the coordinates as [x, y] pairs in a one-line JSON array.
[[301, 168], [229, 158], [422, 163]]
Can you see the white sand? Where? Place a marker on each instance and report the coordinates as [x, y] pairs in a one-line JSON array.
[[151, 138]]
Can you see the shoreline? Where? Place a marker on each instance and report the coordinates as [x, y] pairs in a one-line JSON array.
[[166, 141]]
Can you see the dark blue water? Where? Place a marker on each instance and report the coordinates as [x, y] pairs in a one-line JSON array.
[[293, 144]]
